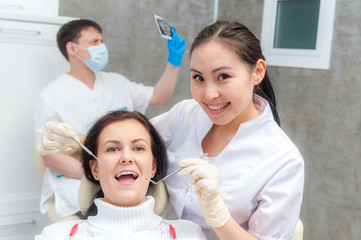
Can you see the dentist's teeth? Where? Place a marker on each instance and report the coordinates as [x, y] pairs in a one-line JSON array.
[[217, 107]]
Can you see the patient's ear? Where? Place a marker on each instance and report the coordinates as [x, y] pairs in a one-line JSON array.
[[154, 168], [94, 168]]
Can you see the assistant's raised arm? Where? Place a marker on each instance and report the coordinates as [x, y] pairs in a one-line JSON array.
[[164, 88]]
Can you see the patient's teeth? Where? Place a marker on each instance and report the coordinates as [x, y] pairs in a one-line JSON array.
[[126, 173]]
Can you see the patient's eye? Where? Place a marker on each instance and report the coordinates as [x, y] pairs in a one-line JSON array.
[[112, 149], [139, 148]]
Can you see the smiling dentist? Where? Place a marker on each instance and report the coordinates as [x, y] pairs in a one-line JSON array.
[[250, 186]]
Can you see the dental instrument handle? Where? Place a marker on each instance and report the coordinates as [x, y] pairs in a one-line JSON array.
[[85, 149], [171, 174], [204, 155], [181, 168]]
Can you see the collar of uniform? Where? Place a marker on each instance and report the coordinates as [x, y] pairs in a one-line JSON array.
[[263, 108], [135, 219]]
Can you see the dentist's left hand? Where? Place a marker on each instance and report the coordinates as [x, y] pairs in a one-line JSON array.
[[57, 138], [205, 178]]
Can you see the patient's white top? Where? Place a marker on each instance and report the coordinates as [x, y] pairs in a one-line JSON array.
[[135, 223], [261, 171], [68, 100]]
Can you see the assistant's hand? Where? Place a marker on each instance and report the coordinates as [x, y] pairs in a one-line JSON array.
[[176, 48], [57, 138], [205, 178]]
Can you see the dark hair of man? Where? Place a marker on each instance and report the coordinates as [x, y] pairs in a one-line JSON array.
[[71, 32], [239, 39]]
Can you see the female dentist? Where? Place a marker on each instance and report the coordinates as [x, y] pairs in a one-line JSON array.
[[251, 184]]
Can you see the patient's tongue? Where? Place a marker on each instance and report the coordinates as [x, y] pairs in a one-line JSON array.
[[126, 179]]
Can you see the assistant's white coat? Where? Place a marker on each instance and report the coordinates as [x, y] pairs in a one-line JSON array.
[[261, 171]]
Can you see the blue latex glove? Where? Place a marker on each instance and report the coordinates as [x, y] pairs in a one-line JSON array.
[[176, 48]]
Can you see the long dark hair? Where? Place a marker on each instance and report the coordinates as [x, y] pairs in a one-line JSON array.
[[244, 43], [159, 150]]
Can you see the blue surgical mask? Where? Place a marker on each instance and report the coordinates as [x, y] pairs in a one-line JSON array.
[[98, 57]]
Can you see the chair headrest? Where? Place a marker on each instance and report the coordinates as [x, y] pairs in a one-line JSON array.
[[87, 191]]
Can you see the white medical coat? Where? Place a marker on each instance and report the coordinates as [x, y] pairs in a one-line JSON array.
[[68, 100], [261, 171]]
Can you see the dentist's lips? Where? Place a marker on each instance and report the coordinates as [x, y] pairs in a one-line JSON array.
[[126, 177], [217, 108]]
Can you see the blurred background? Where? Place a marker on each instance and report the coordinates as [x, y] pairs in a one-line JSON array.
[[319, 108]]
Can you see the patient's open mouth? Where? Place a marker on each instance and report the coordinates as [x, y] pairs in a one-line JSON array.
[[126, 176]]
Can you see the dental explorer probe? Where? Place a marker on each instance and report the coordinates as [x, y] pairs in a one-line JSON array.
[[86, 149], [150, 180]]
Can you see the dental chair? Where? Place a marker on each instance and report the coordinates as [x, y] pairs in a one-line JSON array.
[[298, 235], [87, 191], [40, 166]]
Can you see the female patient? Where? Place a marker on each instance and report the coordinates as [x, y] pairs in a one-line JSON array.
[[130, 150]]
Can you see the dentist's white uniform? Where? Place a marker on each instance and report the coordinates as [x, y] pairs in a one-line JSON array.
[[261, 171], [68, 100]]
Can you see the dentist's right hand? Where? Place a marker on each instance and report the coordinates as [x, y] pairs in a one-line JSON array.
[[57, 138], [205, 178]]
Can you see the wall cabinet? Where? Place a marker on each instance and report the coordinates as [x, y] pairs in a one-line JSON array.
[[33, 7], [29, 60]]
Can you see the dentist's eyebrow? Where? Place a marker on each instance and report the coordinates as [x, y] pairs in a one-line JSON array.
[[221, 68], [213, 71], [194, 70]]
